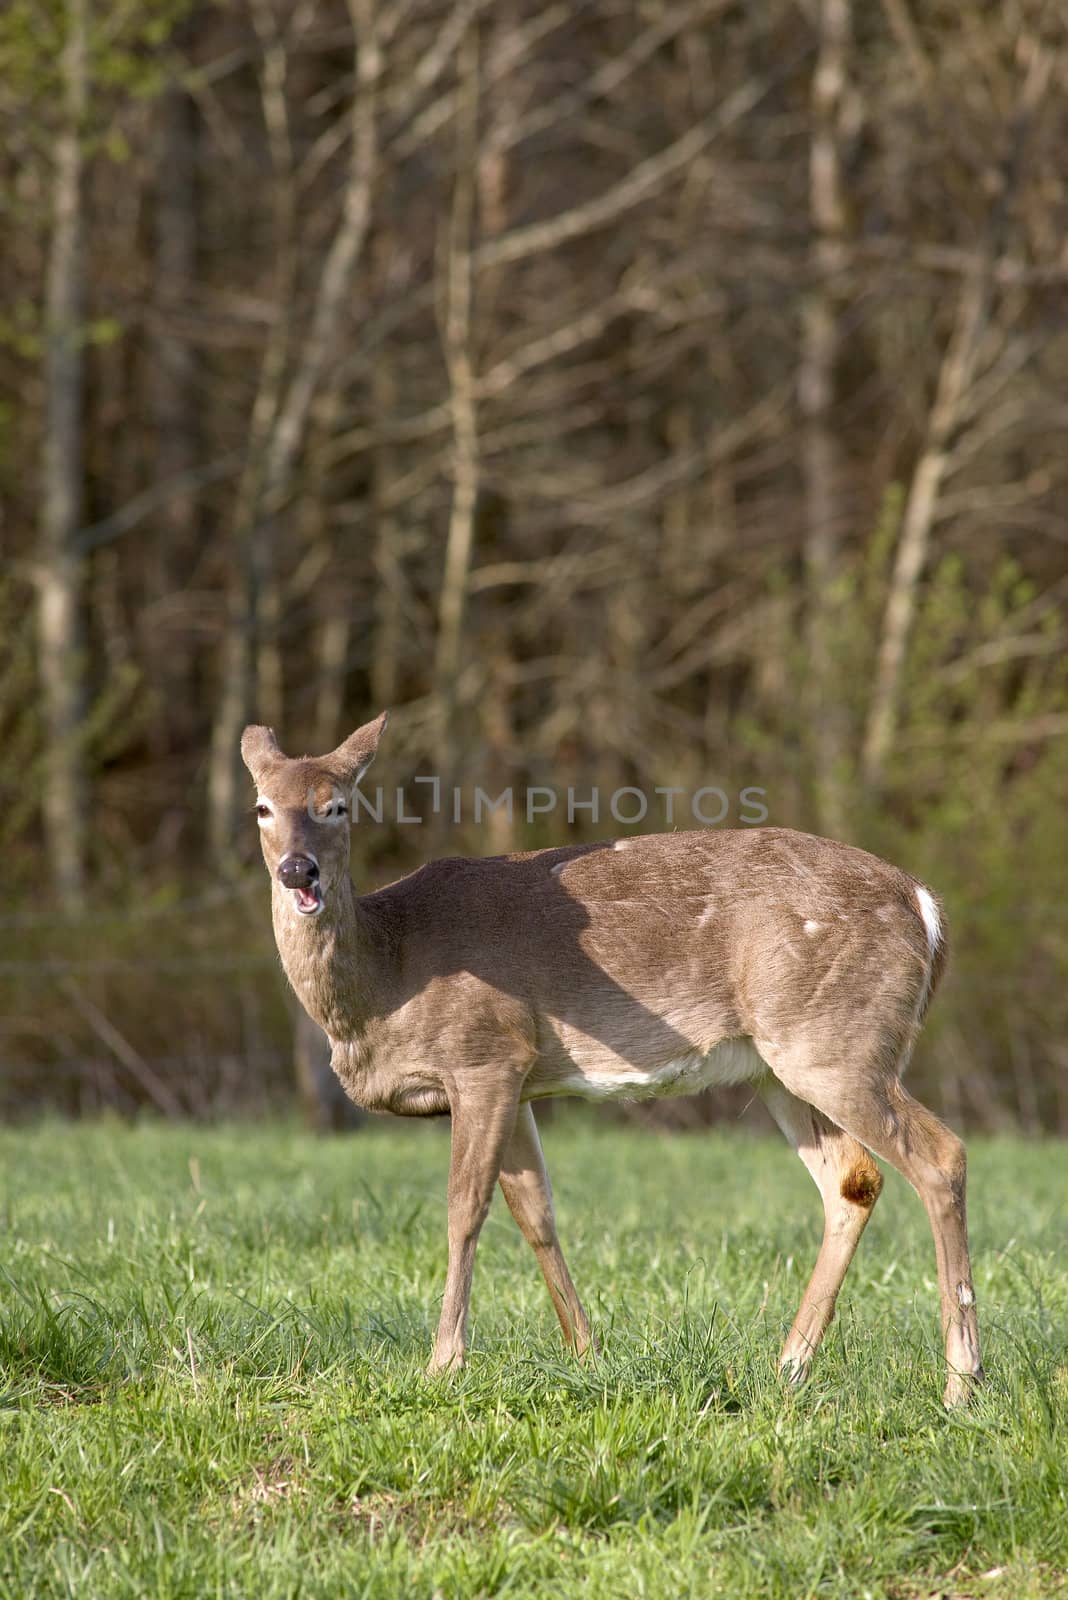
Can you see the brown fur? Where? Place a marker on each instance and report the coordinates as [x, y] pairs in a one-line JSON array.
[[862, 1184], [650, 966]]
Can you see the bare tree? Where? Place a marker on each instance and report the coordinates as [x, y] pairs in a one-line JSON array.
[[955, 378], [173, 386], [822, 463], [388, 567], [60, 566], [459, 356], [274, 452]]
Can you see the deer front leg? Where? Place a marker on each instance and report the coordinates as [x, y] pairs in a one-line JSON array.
[[525, 1186], [480, 1131]]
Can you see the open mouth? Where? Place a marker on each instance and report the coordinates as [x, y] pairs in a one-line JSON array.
[[308, 902]]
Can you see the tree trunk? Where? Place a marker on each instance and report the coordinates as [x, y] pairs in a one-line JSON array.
[[332, 586], [389, 574], [61, 569], [270, 474], [910, 559], [459, 358], [173, 380], [822, 462], [951, 396]]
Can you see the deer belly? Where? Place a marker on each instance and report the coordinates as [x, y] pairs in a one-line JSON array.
[[730, 1061]]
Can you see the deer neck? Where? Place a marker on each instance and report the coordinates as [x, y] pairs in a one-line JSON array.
[[331, 960]]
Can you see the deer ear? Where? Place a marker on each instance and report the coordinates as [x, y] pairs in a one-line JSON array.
[[352, 759], [258, 747]]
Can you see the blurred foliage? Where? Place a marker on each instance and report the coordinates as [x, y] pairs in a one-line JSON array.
[[702, 394], [973, 804]]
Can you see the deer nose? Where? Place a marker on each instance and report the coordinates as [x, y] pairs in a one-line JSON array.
[[298, 872]]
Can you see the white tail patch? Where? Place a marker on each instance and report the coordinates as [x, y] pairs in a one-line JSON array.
[[931, 920], [933, 924]]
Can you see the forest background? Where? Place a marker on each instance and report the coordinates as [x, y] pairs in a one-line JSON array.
[[629, 395]]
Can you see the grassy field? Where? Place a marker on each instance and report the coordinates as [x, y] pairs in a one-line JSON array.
[[211, 1351]]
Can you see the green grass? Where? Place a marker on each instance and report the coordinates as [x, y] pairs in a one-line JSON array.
[[211, 1352]]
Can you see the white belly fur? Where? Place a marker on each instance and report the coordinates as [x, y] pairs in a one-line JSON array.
[[730, 1061]]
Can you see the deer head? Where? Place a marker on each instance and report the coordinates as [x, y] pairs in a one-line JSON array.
[[304, 807]]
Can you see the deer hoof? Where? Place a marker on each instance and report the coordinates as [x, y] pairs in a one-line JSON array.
[[437, 1366], [960, 1388]]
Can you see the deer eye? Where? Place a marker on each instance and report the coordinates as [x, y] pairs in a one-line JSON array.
[[329, 810], [263, 810]]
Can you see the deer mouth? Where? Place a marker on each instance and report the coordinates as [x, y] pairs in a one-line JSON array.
[[298, 873], [308, 902]]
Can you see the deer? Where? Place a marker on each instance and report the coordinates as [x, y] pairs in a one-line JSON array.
[[640, 967]]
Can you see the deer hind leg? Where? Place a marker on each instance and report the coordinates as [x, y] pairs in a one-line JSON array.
[[878, 1110], [525, 1186], [849, 1183], [481, 1129]]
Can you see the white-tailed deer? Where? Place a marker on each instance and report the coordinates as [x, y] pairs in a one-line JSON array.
[[650, 966]]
